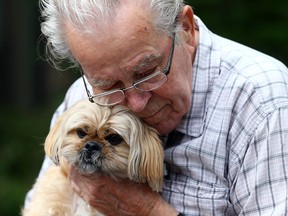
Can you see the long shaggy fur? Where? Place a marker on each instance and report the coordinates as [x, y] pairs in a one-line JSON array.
[[96, 140]]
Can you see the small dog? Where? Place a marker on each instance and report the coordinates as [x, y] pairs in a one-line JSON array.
[[95, 139]]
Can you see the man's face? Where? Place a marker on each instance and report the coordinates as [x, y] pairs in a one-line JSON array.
[[127, 50]]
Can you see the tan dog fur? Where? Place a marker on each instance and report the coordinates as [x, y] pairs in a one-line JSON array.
[[137, 154]]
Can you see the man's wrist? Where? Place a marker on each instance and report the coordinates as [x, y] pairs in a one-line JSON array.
[[163, 208]]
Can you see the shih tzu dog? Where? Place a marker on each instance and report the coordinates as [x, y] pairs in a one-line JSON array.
[[96, 140]]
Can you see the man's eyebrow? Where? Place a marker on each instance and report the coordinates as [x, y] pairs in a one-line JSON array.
[[144, 62], [100, 83]]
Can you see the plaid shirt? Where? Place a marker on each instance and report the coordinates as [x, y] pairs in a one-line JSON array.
[[229, 156]]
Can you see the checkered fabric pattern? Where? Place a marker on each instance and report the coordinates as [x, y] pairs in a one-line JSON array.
[[229, 156]]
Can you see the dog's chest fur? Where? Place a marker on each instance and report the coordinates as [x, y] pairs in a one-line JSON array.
[[80, 208]]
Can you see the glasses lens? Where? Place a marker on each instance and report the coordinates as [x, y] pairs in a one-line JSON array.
[[151, 82], [109, 98]]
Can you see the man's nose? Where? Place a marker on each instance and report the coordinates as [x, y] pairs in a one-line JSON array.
[[137, 100]]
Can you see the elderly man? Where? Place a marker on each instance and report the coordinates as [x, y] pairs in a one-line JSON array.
[[221, 107]]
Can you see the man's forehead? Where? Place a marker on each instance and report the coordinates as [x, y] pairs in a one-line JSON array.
[[133, 18]]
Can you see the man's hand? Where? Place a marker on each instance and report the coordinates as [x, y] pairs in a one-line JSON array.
[[122, 197]]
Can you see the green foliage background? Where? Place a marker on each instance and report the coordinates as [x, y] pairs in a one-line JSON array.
[[260, 24]]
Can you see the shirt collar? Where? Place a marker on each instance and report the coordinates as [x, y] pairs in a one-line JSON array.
[[205, 70]]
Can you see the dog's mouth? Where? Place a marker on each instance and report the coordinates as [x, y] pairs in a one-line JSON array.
[[90, 159]]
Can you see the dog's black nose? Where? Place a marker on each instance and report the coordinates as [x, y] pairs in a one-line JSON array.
[[93, 146]]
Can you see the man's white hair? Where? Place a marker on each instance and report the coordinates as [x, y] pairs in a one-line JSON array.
[[86, 15]]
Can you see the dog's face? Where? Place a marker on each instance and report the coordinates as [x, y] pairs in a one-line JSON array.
[[106, 140], [102, 150]]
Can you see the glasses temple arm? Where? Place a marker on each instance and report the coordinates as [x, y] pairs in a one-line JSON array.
[[167, 69], [90, 97]]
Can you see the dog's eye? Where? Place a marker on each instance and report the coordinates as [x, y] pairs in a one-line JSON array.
[[114, 139], [81, 133]]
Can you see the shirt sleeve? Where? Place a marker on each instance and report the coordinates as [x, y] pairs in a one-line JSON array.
[[261, 185]]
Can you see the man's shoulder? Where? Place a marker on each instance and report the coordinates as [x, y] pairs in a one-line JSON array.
[[251, 71], [75, 93]]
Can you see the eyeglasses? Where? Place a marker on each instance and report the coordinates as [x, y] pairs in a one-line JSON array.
[[146, 84]]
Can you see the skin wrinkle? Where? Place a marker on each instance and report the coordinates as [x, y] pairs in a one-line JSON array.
[[143, 64], [98, 83], [149, 61]]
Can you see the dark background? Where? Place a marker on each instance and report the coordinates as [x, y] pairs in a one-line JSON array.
[[31, 89]]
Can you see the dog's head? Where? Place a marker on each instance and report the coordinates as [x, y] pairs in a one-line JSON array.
[[109, 140]]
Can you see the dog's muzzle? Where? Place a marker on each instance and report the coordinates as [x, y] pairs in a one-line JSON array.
[[89, 158], [91, 151]]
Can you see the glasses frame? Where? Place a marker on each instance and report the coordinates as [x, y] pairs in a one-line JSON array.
[[165, 71]]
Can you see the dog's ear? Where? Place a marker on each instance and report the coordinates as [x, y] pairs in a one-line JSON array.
[[54, 141], [146, 157]]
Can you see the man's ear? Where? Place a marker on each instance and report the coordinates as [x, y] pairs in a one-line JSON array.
[[186, 19]]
